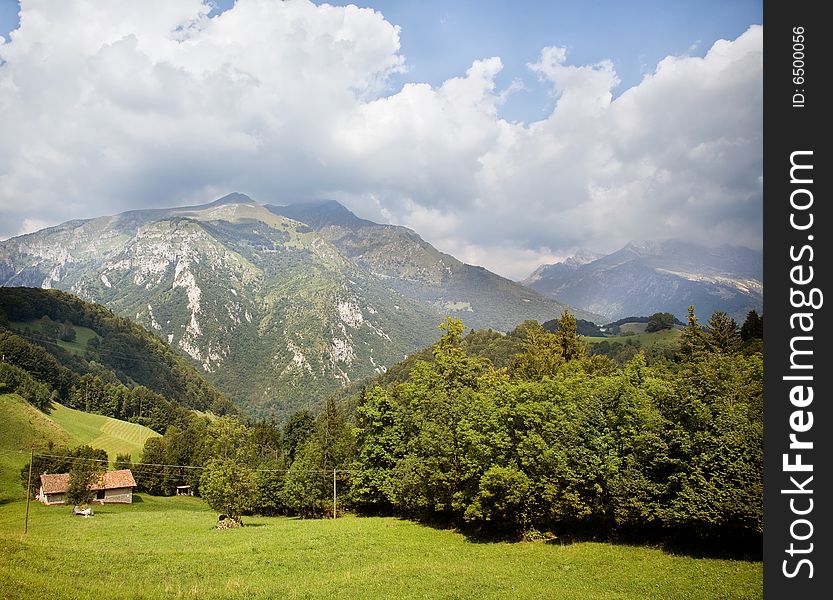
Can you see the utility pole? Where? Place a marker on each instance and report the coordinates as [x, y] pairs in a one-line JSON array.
[[334, 493], [29, 489]]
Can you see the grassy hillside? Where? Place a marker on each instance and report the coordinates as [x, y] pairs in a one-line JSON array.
[[663, 337], [167, 548], [111, 435], [78, 346], [22, 426]]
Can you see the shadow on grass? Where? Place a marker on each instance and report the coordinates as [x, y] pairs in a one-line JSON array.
[[726, 547]]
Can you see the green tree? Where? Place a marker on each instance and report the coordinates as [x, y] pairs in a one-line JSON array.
[[659, 321], [82, 476], [542, 354], [150, 477], [229, 486], [571, 344], [123, 461], [228, 438], [722, 335], [380, 440], [692, 339], [297, 431], [308, 484], [753, 326], [501, 497]]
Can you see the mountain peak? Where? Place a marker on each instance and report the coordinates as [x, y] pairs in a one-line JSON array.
[[320, 213], [232, 198], [581, 257]]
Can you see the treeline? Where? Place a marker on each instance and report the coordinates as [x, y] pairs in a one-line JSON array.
[[261, 468], [555, 442], [121, 350], [561, 441]]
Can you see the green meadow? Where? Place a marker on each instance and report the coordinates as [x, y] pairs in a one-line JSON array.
[[111, 435], [78, 346], [22, 426], [168, 548]]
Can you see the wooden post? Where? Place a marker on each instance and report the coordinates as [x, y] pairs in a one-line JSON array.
[[29, 489], [334, 493]]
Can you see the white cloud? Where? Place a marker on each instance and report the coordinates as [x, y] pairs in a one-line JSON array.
[[106, 107]]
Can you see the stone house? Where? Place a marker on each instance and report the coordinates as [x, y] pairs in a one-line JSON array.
[[111, 487]]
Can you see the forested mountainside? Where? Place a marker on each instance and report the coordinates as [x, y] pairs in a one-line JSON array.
[[58, 347], [275, 312]]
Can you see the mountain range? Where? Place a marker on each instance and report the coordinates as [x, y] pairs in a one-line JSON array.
[[276, 305], [653, 276]]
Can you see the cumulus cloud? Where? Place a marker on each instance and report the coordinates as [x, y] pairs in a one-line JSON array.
[[121, 105]]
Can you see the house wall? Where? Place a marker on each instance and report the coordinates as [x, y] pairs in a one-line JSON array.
[[120, 495], [52, 499]]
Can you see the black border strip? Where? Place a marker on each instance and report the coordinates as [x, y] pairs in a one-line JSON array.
[[796, 120]]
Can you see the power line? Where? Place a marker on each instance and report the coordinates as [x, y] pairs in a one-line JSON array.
[[100, 460]]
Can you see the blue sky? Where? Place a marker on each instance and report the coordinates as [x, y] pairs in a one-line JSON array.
[[639, 120], [441, 38]]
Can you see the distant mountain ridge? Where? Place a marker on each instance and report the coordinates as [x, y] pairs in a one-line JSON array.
[[277, 306], [653, 276]]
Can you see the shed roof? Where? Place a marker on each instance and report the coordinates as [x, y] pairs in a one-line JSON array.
[[57, 483]]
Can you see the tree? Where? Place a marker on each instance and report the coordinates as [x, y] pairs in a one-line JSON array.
[[567, 338], [693, 342], [542, 354], [308, 484], [722, 334], [228, 438], [659, 321], [297, 431], [229, 487], [123, 461], [151, 479], [82, 476], [753, 327]]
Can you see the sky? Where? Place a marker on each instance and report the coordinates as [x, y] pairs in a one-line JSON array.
[[507, 134]]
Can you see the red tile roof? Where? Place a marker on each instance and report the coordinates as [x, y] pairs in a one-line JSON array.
[[54, 484], [59, 482]]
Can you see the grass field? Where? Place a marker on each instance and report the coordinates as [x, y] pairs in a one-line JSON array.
[[167, 548], [23, 426], [111, 435], [663, 337], [77, 346]]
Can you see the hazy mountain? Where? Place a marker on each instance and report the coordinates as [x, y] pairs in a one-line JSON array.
[[276, 306], [646, 277]]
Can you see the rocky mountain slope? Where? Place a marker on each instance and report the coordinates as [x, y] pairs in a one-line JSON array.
[[647, 277], [276, 306], [417, 270]]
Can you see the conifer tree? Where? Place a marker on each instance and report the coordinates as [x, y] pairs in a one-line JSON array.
[[693, 342], [567, 338], [722, 334], [753, 326]]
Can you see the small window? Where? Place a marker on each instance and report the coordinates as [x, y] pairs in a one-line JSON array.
[[100, 495]]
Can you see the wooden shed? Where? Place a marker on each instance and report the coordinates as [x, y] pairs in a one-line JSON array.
[[111, 487]]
